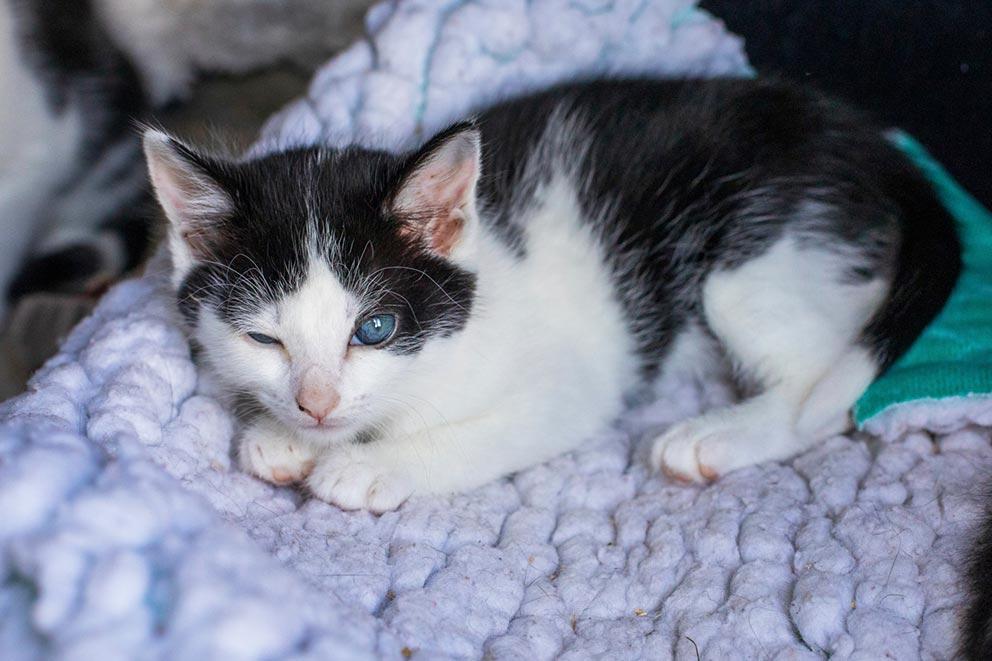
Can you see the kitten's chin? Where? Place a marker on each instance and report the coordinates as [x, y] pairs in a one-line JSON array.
[[328, 434]]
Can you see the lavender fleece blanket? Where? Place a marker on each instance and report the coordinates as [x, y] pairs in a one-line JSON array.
[[127, 533]]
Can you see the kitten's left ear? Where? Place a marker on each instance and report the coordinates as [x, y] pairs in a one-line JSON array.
[[194, 202], [435, 199]]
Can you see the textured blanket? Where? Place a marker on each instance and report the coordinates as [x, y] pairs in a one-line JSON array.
[[125, 531]]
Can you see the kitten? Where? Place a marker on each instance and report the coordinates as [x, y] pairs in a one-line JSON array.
[[428, 321]]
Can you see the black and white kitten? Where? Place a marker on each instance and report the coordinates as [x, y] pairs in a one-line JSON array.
[[429, 321]]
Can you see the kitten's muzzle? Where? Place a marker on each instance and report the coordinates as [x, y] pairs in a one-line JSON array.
[[316, 396]]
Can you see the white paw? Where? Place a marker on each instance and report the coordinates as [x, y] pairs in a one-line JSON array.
[[676, 453], [351, 478], [705, 448], [274, 457]]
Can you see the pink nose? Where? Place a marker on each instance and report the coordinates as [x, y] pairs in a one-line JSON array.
[[317, 402]]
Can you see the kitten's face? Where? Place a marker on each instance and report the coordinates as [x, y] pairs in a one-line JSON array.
[[311, 281]]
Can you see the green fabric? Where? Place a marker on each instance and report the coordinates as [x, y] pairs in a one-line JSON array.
[[953, 356]]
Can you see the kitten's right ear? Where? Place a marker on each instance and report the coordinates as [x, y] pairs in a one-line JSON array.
[[193, 201]]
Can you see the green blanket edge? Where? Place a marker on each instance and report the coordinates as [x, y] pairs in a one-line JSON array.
[[953, 356]]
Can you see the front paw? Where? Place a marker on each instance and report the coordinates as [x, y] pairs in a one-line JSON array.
[[705, 448], [269, 453], [352, 478], [677, 452]]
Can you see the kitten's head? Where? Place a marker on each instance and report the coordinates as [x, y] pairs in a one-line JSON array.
[[313, 279]]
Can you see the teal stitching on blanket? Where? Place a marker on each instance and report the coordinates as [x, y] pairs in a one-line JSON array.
[[953, 356]]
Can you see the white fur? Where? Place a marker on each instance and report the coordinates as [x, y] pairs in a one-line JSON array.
[[314, 325], [264, 451], [788, 320], [694, 355]]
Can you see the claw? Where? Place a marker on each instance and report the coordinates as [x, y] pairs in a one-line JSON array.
[[675, 476]]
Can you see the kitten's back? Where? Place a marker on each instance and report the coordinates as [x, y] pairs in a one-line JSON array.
[[704, 174]]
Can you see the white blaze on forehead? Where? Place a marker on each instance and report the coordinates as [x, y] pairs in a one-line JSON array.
[[316, 321]]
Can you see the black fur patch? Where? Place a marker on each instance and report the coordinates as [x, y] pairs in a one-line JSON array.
[[67, 271]]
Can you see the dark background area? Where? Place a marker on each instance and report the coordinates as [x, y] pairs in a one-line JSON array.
[[922, 65]]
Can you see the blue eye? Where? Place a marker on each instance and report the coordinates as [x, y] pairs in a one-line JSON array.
[[263, 339], [374, 330]]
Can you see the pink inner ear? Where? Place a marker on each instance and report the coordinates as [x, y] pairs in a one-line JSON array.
[[434, 200], [438, 186], [189, 195], [175, 199], [190, 198], [444, 235]]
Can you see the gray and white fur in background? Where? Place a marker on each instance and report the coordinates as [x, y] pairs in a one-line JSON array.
[[170, 41], [73, 79]]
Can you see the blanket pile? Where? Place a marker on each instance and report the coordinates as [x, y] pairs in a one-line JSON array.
[[126, 532]]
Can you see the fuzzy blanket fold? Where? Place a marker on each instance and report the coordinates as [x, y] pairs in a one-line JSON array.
[[127, 533]]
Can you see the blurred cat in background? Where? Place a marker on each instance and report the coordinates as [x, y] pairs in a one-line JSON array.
[[74, 75]]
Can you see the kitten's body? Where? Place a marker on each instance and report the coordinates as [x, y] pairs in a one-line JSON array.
[[618, 231]]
